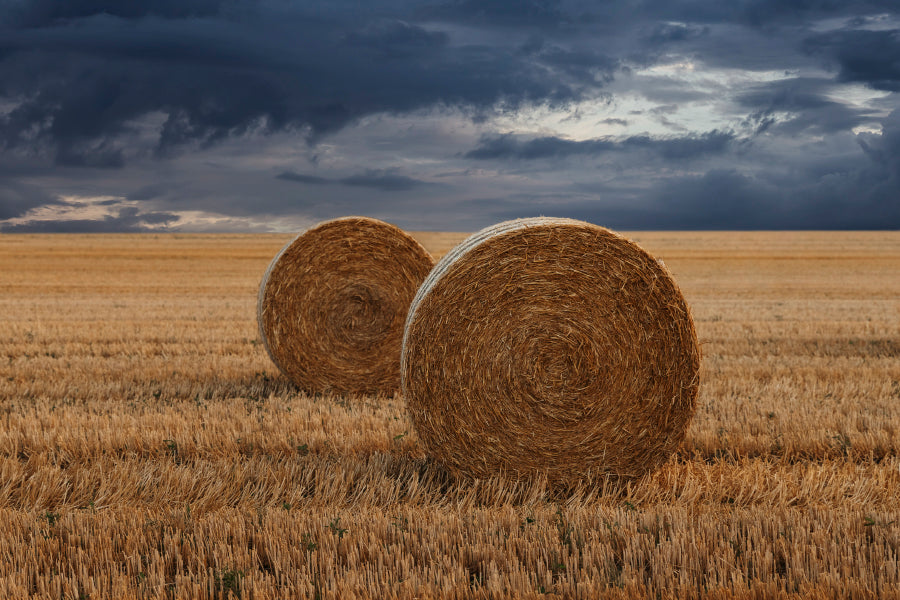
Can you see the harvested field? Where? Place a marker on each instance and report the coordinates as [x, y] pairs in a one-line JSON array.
[[150, 449]]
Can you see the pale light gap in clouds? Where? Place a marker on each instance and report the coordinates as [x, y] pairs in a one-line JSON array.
[[75, 208], [78, 210]]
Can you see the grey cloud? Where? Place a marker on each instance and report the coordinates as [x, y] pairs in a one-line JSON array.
[[97, 97], [731, 200], [855, 191], [884, 150], [101, 156], [665, 89], [805, 100], [565, 14], [216, 75], [761, 13], [384, 181], [719, 199], [301, 178], [848, 190], [665, 34], [395, 38], [672, 148], [541, 13], [378, 179], [18, 198], [148, 192], [583, 63], [216, 78], [685, 147], [508, 146], [795, 94], [870, 57], [38, 13]]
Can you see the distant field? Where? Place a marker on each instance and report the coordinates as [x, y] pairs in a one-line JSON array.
[[150, 449]]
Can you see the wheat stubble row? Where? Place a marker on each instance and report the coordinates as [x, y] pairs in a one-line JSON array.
[[148, 448]]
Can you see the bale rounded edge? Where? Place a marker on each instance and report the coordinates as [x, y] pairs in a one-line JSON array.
[[332, 305], [550, 346]]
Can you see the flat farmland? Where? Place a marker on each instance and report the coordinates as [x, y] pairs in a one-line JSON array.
[[150, 449]]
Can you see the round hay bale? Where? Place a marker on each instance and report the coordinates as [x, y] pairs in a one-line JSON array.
[[333, 302], [550, 346]]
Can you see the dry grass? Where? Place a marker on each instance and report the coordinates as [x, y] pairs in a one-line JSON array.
[[550, 347], [148, 447]]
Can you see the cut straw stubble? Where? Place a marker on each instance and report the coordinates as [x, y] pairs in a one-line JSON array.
[[333, 302], [550, 347]]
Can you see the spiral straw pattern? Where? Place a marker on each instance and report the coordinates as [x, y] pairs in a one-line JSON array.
[[550, 346], [333, 302]]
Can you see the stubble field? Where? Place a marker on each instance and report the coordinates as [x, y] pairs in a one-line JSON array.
[[150, 449]]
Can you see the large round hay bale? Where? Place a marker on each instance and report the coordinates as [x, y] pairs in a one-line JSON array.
[[333, 303], [550, 346]]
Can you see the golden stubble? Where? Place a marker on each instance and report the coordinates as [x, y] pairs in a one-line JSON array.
[[149, 448]]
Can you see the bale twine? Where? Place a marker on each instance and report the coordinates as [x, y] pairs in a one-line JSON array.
[[550, 346], [333, 302]]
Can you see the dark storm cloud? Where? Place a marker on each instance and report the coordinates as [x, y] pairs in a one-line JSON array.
[[302, 178], [860, 192], [672, 148], [727, 200], [39, 13], [215, 76], [100, 156], [550, 14], [383, 180], [884, 149], [584, 64], [852, 190], [18, 198], [98, 98], [805, 103], [396, 39], [762, 13], [217, 69], [148, 192], [508, 146], [719, 199], [539, 13], [665, 34], [884, 152], [870, 57]]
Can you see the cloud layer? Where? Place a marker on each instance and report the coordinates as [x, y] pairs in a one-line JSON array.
[[449, 114]]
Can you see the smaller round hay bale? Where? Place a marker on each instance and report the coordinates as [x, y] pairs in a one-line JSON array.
[[550, 346], [333, 303]]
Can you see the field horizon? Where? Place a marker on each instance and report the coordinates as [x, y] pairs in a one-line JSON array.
[[150, 449]]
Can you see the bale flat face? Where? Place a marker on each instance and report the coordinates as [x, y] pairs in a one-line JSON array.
[[333, 303], [550, 346]]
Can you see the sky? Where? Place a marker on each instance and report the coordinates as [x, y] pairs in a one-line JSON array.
[[272, 115]]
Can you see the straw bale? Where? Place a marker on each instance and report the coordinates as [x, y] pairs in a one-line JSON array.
[[550, 346], [333, 302]]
